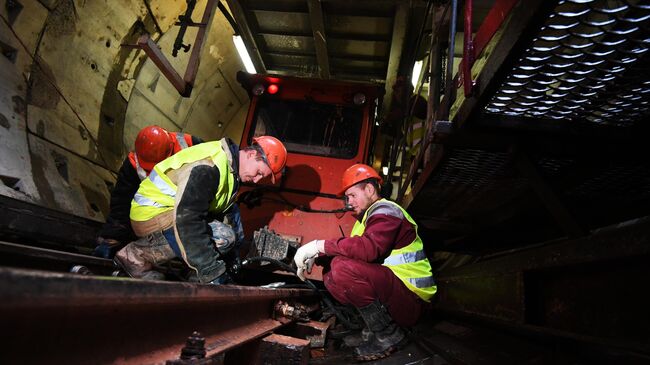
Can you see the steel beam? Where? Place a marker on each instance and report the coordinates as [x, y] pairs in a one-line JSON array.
[[68, 319], [155, 54], [320, 39], [330, 35], [12, 254], [239, 14], [195, 57], [584, 290], [400, 27]]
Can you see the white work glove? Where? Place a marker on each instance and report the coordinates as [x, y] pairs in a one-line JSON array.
[[306, 255]]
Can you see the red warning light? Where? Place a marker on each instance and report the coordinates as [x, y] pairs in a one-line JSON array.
[[272, 89]]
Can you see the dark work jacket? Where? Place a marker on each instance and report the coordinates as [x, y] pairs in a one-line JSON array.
[[192, 216], [118, 223]]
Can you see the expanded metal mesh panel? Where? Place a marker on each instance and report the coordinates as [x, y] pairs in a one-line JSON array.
[[589, 61], [552, 167], [470, 182], [472, 168], [626, 183]]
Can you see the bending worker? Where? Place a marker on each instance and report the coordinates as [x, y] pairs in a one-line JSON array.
[[152, 145], [381, 269], [179, 208]]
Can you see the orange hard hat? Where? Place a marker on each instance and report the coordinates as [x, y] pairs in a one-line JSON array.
[[275, 154], [153, 145], [356, 174]]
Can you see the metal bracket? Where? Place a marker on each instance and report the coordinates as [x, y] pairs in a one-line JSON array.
[[183, 85]]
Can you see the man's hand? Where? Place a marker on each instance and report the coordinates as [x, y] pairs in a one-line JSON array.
[[306, 255]]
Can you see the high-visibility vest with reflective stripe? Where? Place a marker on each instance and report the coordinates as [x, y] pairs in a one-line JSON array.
[[409, 263], [180, 143], [142, 173], [157, 193]]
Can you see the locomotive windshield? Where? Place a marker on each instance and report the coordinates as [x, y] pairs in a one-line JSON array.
[[310, 128]]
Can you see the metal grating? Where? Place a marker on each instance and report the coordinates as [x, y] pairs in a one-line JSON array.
[[474, 169], [552, 167], [468, 182], [628, 183], [589, 61]]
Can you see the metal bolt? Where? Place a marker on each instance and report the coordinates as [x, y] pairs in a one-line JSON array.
[[80, 269], [194, 347]]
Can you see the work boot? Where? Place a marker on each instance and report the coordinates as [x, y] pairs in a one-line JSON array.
[[387, 337], [138, 258], [357, 338], [106, 248]]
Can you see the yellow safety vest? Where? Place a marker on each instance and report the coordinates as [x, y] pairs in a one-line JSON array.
[[157, 192], [409, 263]]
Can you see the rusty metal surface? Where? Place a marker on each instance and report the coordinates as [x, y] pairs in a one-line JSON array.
[[119, 320]]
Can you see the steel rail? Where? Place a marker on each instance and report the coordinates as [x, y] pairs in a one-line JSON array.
[[68, 319], [16, 255]]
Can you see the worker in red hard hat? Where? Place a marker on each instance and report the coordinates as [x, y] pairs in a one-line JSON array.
[[381, 269], [152, 145], [186, 208]]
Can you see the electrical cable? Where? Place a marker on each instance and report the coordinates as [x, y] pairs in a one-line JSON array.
[[251, 199], [346, 322]]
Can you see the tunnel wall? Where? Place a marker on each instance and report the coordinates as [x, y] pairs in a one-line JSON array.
[[72, 97]]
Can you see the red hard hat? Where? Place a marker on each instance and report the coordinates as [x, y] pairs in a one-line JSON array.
[[356, 174], [153, 145], [275, 153]]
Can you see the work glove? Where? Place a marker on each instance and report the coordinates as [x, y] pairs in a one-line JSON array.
[[306, 255]]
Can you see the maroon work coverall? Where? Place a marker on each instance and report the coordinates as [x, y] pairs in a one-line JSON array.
[[356, 276]]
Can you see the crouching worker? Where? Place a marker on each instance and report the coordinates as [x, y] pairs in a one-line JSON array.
[[152, 145], [381, 269], [173, 213]]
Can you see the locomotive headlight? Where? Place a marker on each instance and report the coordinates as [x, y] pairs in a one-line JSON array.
[[258, 89], [359, 98]]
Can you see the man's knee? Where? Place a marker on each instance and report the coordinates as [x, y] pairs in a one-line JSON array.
[[344, 270]]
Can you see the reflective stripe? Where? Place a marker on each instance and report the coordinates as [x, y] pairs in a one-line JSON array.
[[141, 200], [405, 258], [161, 184], [408, 263], [386, 208], [180, 138], [424, 282], [142, 174], [160, 189]]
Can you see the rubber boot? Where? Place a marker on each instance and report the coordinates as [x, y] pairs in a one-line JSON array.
[[387, 337], [138, 259]]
